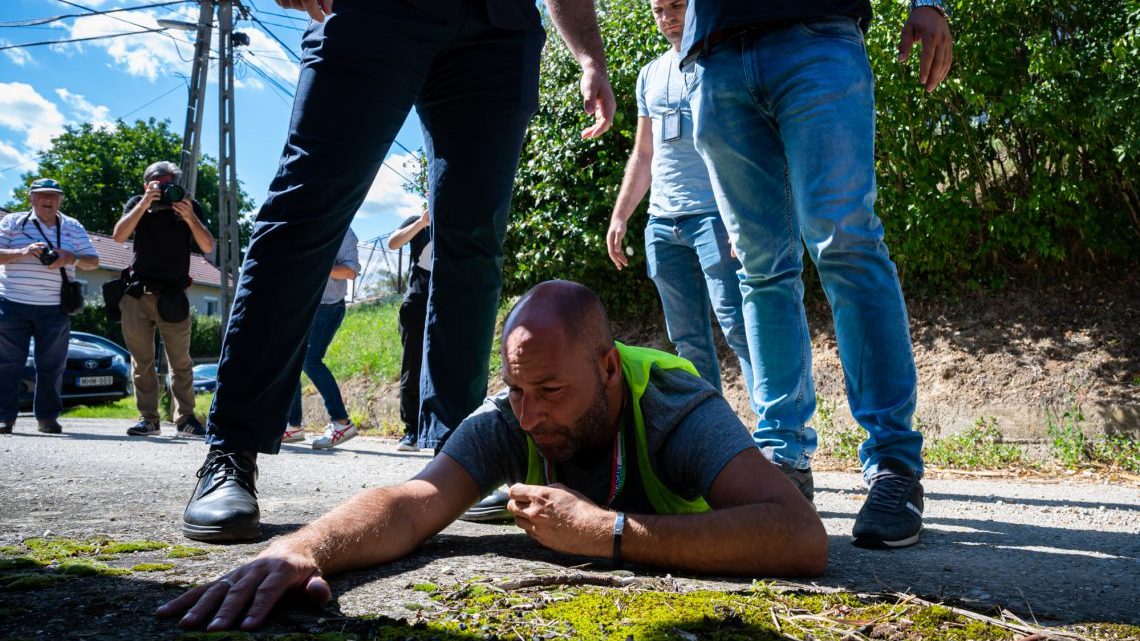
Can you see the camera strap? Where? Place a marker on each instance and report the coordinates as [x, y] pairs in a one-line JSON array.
[[58, 240]]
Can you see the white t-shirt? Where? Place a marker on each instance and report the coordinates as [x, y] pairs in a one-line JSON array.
[[26, 280]]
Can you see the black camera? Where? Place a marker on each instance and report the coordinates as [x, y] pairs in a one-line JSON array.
[[171, 193], [48, 256]]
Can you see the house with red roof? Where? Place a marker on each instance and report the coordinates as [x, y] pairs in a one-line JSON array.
[[204, 293]]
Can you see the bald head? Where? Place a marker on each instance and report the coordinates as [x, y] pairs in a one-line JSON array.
[[564, 307]]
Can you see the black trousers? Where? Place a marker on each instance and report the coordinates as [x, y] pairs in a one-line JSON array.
[[475, 88], [413, 315]]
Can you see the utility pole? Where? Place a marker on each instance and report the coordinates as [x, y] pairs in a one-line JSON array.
[[228, 246], [192, 134]]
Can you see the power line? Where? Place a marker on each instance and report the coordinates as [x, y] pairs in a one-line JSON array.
[[39, 21], [134, 24], [149, 103], [57, 42], [259, 71], [274, 36]]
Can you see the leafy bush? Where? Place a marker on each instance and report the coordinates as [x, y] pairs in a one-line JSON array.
[[205, 331], [1028, 154]]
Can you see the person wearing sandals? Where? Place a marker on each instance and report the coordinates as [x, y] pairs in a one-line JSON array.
[[329, 316]]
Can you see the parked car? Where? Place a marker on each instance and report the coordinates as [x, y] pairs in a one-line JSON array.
[[95, 372], [205, 378]]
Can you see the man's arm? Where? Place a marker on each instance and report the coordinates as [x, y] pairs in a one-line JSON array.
[[929, 26], [638, 176], [404, 235], [759, 525], [578, 25], [126, 225], [184, 209], [375, 526]]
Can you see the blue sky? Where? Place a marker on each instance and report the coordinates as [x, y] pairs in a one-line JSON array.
[[45, 88]]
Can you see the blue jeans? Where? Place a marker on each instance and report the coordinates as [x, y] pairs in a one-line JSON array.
[[689, 260], [475, 88], [785, 119], [51, 328], [328, 320]]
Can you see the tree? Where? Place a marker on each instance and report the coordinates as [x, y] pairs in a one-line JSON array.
[[100, 169]]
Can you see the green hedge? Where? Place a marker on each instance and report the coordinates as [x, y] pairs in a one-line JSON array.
[[1029, 153], [205, 331]]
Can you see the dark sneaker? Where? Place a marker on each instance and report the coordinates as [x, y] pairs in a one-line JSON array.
[[144, 428], [492, 508], [408, 444], [49, 426], [803, 481], [190, 426], [891, 516], [6, 427], [224, 504]]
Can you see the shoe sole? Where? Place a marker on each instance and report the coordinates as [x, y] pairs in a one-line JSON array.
[[332, 445], [496, 516], [221, 533], [407, 448], [873, 543], [189, 435], [154, 433], [295, 439]]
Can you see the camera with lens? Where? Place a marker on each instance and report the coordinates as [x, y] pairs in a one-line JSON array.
[[48, 256], [171, 193]]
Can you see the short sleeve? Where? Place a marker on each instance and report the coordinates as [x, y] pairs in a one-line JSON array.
[[491, 450], [80, 240], [349, 254], [7, 231], [702, 444], [642, 106], [134, 200]]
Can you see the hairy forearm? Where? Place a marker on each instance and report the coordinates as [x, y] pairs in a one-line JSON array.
[[766, 539], [126, 225], [578, 25], [373, 527], [634, 185], [9, 255], [202, 237]]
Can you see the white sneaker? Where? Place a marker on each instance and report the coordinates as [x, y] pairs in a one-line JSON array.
[[293, 434], [334, 435]]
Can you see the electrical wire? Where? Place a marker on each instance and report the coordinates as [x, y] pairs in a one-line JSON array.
[[134, 24], [151, 102], [92, 12], [261, 24], [24, 45]]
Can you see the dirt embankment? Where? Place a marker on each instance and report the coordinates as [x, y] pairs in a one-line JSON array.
[[1037, 346]]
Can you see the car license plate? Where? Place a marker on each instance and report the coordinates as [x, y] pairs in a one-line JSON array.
[[94, 381]]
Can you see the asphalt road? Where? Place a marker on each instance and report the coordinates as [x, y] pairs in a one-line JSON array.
[[1057, 552]]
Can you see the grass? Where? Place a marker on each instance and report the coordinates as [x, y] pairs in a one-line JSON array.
[[368, 343], [838, 442], [979, 447], [41, 562], [1072, 449], [126, 408]]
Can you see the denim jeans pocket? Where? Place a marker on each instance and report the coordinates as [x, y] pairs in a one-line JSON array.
[[840, 27]]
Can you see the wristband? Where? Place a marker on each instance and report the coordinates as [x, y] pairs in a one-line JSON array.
[[619, 527]]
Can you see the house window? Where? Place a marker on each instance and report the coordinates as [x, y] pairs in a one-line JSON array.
[[211, 305]]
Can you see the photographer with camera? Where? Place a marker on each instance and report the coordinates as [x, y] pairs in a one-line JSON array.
[[167, 224], [39, 252]]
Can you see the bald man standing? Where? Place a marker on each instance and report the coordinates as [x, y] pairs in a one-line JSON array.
[[615, 452]]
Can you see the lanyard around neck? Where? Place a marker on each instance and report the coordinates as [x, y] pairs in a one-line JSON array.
[[58, 232], [617, 477]]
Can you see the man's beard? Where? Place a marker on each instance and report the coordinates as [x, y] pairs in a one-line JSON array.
[[584, 433]]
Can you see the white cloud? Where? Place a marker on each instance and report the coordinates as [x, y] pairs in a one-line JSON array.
[[387, 195], [25, 111], [97, 115], [148, 55], [19, 57], [13, 159]]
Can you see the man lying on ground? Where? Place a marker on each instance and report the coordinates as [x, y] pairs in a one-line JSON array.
[[616, 452]]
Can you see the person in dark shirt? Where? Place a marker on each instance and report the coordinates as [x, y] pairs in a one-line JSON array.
[[165, 233], [415, 232], [785, 120]]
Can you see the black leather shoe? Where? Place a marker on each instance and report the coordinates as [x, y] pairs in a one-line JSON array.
[[6, 427], [224, 504], [492, 508], [49, 426]]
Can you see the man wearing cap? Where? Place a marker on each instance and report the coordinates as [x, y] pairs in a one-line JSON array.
[[36, 248], [167, 224]]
